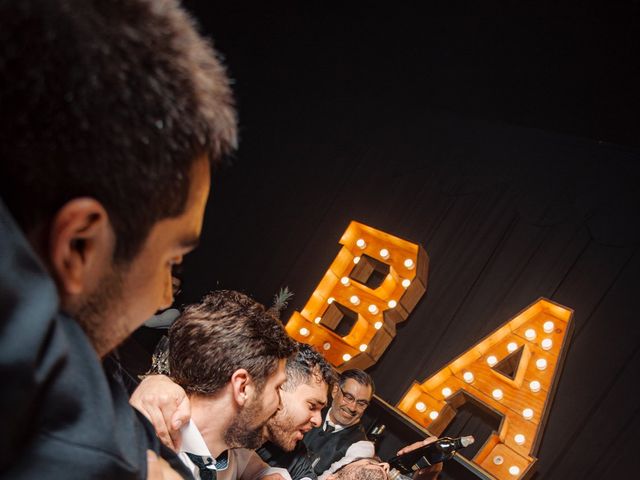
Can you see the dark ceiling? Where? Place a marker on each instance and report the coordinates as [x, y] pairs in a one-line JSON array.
[[570, 69]]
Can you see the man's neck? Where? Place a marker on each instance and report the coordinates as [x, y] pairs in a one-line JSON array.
[[212, 415]]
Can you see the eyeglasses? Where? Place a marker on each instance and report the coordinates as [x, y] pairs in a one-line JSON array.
[[360, 404]]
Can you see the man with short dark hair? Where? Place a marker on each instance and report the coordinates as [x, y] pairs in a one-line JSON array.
[[229, 356], [304, 395], [112, 114], [341, 437]]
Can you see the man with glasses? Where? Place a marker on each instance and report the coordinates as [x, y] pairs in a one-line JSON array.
[[341, 438]]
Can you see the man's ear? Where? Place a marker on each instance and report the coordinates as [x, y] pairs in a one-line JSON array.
[[81, 243], [241, 386], [334, 391]]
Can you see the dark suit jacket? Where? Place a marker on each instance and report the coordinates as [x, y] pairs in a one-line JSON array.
[[326, 448], [61, 416], [297, 462]]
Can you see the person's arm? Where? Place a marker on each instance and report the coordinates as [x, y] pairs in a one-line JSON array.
[[252, 467], [429, 473], [361, 449], [33, 349], [165, 404]]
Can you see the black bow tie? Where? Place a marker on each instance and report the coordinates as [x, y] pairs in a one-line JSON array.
[[328, 428], [205, 473]]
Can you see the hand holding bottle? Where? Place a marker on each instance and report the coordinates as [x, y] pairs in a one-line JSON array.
[[429, 473], [424, 459], [416, 445]]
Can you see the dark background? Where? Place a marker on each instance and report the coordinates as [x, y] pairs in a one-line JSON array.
[[502, 137]]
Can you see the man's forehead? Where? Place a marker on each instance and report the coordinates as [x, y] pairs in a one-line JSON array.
[[357, 389], [314, 389]]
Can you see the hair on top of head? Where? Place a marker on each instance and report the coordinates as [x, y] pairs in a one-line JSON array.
[[225, 332], [360, 376], [307, 365], [109, 99]]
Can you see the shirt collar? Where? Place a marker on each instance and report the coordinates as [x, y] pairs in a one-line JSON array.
[[192, 441], [336, 427]]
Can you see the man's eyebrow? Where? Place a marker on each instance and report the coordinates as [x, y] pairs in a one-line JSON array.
[[190, 242]]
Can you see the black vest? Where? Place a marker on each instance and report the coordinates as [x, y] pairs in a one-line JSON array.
[[297, 462], [327, 448]]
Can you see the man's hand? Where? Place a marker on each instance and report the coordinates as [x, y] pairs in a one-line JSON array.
[[159, 469], [166, 405], [413, 446], [428, 473]]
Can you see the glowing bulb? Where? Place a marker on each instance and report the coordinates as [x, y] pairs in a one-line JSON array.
[[492, 360], [326, 345], [373, 309], [468, 377], [433, 415], [356, 260], [345, 281], [330, 300], [446, 391], [377, 325], [361, 243], [527, 413], [392, 304], [534, 386], [514, 470], [548, 326], [519, 439], [408, 264], [497, 394], [498, 460], [318, 320], [541, 364], [546, 344], [406, 282], [346, 357], [512, 347], [384, 253], [363, 347], [355, 299], [530, 334], [304, 332], [421, 407]]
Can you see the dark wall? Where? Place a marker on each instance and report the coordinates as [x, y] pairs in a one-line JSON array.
[[504, 142]]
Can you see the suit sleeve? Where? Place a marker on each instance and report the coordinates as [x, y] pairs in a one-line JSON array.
[[32, 348]]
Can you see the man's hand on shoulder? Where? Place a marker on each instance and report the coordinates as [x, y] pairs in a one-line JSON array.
[[165, 404]]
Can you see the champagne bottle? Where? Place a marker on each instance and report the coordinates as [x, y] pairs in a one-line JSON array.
[[376, 433], [438, 451]]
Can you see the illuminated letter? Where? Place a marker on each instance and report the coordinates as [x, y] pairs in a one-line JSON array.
[[513, 372], [374, 282]]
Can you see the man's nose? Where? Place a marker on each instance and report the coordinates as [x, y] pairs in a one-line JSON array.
[[316, 419]]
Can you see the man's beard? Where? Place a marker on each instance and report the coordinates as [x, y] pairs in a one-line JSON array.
[[97, 315], [280, 431], [241, 433]]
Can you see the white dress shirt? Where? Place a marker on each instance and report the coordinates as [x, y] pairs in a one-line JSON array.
[[243, 464]]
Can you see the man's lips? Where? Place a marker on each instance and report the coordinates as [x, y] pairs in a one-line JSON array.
[[348, 412]]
